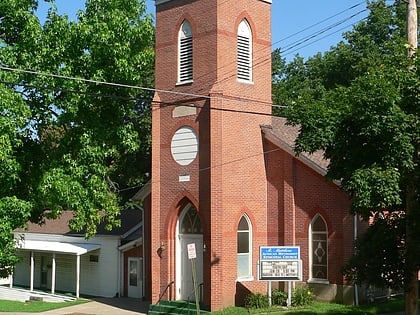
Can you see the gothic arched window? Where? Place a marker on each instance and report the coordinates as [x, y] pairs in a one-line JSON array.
[[244, 248], [191, 222], [185, 53], [318, 246], [244, 52]]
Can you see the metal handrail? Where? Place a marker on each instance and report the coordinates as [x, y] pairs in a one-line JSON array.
[[201, 286], [164, 291]]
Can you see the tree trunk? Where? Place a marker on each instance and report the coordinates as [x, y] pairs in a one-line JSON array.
[[412, 26], [411, 296]]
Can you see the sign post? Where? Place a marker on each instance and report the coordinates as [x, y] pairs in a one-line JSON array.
[[192, 255], [280, 263]]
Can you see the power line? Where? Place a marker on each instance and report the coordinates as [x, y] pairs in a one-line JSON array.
[[38, 73], [319, 23], [322, 31], [308, 44], [194, 95], [263, 60], [164, 104]]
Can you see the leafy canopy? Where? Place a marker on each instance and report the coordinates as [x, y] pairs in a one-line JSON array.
[[67, 141], [360, 104]]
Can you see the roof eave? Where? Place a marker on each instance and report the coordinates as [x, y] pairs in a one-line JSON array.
[[271, 136]]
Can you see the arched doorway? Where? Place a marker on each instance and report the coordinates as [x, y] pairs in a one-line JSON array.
[[188, 231]]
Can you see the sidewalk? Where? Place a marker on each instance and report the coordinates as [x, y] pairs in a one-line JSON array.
[[98, 306], [102, 306]]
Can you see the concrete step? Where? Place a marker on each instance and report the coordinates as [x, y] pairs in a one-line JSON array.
[[174, 307]]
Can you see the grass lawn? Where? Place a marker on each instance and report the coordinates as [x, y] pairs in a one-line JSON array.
[[393, 305], [34, 306]]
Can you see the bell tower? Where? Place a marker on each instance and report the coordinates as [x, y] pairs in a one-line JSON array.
[[213, 92]]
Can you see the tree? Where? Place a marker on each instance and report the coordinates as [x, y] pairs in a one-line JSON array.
[[69, 141], [359, 103]]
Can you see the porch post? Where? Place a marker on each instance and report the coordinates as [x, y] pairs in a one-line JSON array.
[[31, 287], [77, 275], [53, 275]]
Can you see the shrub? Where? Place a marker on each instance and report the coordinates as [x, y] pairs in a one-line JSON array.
[[256, 300], [302, 296], [278, 297]]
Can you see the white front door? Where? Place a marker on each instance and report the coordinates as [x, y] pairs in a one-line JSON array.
[[186, 288], [135, 277]]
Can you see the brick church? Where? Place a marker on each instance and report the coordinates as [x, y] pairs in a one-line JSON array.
[[224, 174]]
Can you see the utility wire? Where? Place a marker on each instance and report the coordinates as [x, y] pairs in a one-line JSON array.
[[289, 51], [318, 23], [264, 60], [164, 104], [5, 68], [259, 62], [322, 31]]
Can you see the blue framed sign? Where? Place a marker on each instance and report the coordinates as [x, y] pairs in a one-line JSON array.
[[279, 253], [281, 263]]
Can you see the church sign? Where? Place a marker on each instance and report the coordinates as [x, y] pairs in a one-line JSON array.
[[280, 263]]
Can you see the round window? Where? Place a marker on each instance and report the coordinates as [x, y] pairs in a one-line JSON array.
[[184, 145]]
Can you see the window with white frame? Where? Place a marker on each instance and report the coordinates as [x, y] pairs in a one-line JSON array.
[[244, 52], [318, 249], [244, 250], [185, 53]]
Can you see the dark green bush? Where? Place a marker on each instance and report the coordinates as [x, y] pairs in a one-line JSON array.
[[256, 300], [278, 297], [302, 296]]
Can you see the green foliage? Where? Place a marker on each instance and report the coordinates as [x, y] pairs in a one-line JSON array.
[[302, 296], [68, 141], [390, 306], [359, 104], [278, 297], [256, 300], [381, 247]]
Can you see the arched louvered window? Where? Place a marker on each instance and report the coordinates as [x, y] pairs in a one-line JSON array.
[[318, 246], [244, 52], [185, 53], [244, 248]]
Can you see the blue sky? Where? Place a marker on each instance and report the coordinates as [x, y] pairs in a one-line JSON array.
[[305, 27]]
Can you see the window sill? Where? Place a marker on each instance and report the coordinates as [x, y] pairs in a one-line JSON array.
[[245, 82], [245, 279], [318, 281], [184, 82]]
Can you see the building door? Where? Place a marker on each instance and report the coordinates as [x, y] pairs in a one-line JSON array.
[[189, 231], [135, 277], [46, 272]]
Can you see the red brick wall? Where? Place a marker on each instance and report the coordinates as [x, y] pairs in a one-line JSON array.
[[298, 193], [231, 175], [228, 178]]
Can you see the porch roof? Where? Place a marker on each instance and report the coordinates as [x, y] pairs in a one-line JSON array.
[[57, 247]]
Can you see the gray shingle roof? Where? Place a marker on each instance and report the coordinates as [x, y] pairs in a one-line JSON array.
[[129, 219], [284, 136]]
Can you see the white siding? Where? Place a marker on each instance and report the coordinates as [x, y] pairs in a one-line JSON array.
[[96, 278]]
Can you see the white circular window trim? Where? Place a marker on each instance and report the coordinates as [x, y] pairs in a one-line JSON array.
[[184, 145]]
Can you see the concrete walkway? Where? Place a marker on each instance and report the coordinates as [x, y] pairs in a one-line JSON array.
[[22, 295], [98, 306]]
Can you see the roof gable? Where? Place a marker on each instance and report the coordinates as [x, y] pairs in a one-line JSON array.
[[284, 136]]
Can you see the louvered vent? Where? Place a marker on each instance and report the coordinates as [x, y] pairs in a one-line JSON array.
[[186, 59], [244, 58]]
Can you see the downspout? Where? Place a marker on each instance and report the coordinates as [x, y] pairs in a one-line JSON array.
[[356, 290], [142, 246], [120, 273]]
